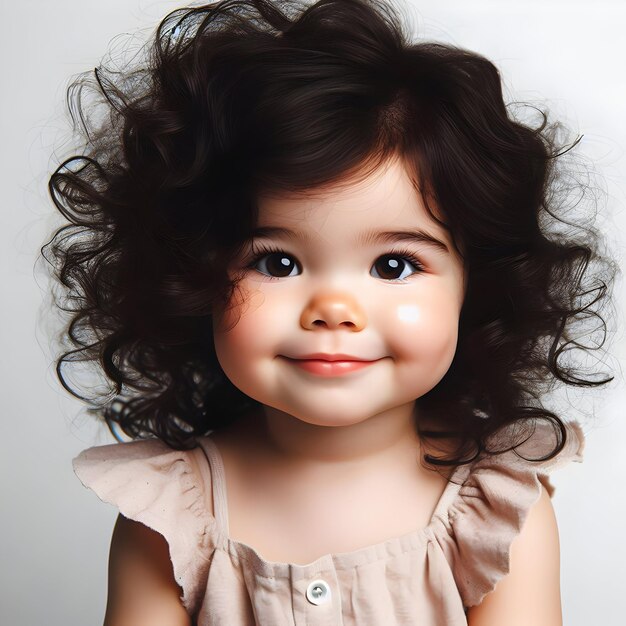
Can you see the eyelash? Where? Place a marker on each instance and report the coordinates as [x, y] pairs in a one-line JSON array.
[[261, 250]]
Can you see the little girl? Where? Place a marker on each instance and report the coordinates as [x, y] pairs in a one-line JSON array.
[[319, 264]]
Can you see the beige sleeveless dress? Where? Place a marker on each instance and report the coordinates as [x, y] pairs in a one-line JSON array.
[[428, 577]]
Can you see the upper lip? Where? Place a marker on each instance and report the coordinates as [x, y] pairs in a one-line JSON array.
[[320, 356]]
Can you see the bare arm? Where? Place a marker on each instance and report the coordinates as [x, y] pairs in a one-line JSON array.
[[531, 593], [142, 588]]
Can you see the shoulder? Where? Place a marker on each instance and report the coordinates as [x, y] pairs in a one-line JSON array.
[[530, 592], [142, 588]]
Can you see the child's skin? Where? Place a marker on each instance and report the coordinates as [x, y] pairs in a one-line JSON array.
[[344, 443]]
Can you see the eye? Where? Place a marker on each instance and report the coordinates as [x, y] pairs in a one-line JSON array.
[[276, 265], [395, 267]]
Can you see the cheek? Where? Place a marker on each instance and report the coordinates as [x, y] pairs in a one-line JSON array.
[[424, 332], [244, 333]]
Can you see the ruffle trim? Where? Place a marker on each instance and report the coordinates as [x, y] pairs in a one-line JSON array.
[[493, 503], [155, 485]]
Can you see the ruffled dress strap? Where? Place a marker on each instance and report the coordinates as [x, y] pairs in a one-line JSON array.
[[164, 489], [493, 502], [218, 481]]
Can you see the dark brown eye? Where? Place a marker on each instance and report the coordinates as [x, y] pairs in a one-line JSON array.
[[277, 264], [393, 267]]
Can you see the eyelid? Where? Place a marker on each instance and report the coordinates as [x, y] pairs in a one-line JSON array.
[[260, 249], [407, 254]]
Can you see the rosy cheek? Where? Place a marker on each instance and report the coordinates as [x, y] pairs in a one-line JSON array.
[[235, 346], [238, 332], [425, 330]]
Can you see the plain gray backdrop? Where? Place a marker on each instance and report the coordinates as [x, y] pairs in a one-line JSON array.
[[568, 56]]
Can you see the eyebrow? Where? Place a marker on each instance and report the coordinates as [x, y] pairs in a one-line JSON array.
[[414, 235]]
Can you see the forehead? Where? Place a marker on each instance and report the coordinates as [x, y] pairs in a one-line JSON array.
[[387, 199]]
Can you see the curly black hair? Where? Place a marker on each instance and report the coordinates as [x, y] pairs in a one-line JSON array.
[[240, 96]]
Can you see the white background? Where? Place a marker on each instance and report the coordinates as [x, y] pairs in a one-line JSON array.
[[55, 534]]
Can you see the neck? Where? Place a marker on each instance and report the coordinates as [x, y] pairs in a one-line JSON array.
[[382, 437]]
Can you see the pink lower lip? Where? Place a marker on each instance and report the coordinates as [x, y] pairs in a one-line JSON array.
[[329, 368]]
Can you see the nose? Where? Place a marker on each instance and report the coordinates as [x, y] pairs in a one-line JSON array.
[[333, 310]]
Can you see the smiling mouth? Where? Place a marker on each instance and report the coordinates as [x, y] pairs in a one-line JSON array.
[[323, 367]]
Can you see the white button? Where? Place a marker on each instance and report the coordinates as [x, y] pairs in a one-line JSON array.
[[318, 592]]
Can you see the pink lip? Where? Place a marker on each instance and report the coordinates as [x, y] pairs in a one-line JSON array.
[[321, 356], [330, 365]]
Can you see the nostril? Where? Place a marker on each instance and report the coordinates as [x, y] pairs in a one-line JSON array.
[[325, 325]]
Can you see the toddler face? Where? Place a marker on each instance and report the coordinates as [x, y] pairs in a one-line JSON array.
[[333, 321]]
